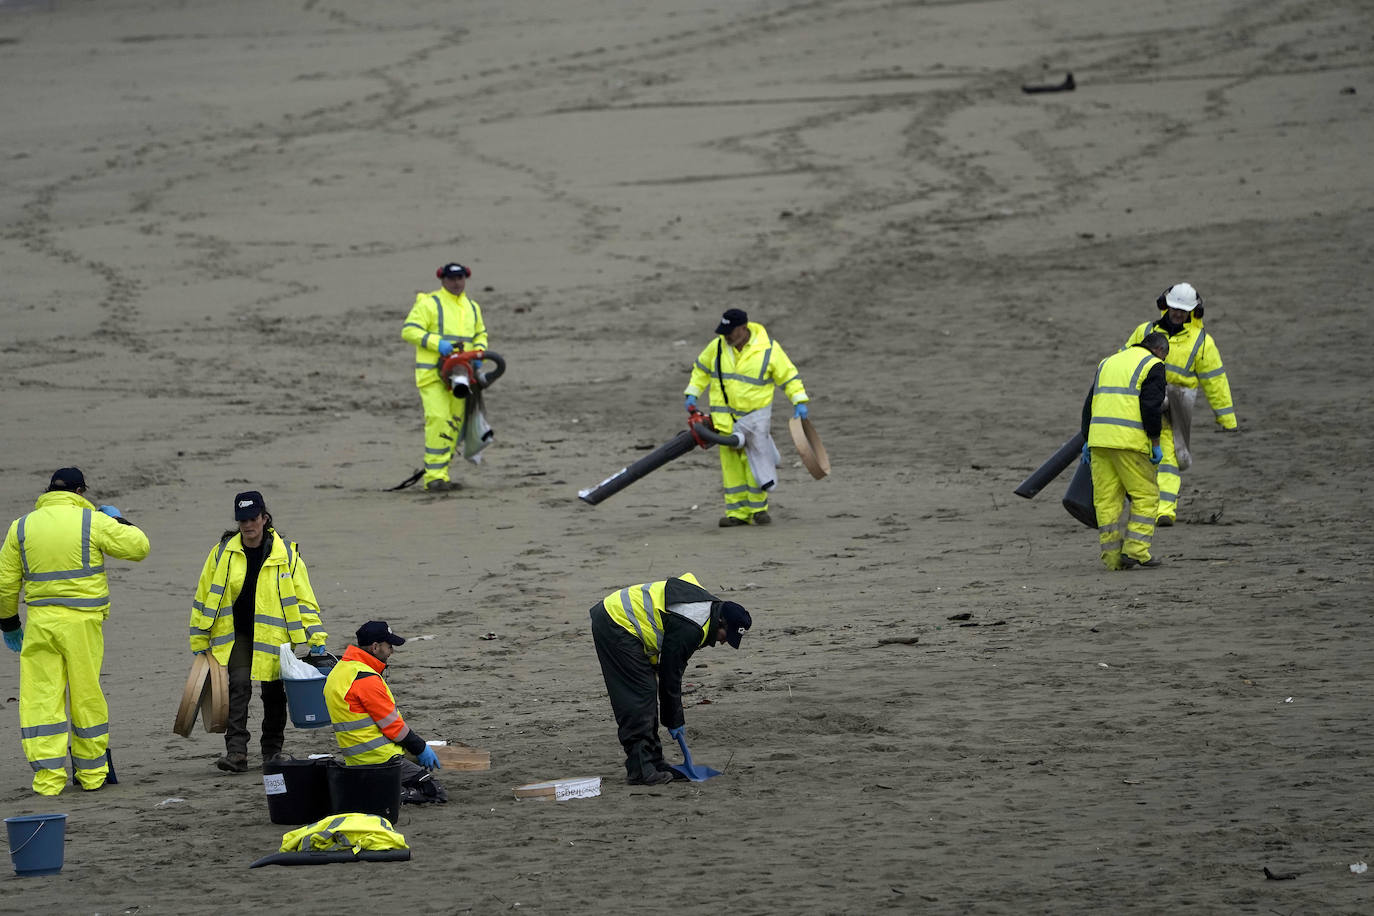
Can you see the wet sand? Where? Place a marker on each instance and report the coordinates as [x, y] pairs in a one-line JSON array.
[[216, 218]]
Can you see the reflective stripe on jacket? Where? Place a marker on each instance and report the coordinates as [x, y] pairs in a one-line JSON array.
[[437, 316], [748, 375], [1116, 420], [1194, 361], [284, 605], [640, 608], [57, 554], [367, 724]]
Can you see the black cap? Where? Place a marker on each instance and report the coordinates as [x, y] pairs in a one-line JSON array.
[[452, 269], [378, 631], [733, 318], [249, 505], [67, 479], [736, 620]]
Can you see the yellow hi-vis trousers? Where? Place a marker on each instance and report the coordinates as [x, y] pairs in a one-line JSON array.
[[62, 654], [443, 429], [743, 495], [1118, 475], [1167, 474]]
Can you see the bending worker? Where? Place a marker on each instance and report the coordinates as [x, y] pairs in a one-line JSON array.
[[1121, 422], [1194, 361], [367, 725], [442, 322], [254, 595], [740, 367], [57, 554], [644, 636]]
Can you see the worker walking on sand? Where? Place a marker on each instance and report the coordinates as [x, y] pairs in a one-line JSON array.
[[1121, 422], [253, 595], [442, 322], [1194, 361], [741, 367], [57, 553], [367, 725], [645, 635]]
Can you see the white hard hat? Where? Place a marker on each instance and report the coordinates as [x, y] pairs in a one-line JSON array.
[[1182, 296]]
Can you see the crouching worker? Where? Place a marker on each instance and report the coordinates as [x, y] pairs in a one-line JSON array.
[[367, 725], [644, 636]]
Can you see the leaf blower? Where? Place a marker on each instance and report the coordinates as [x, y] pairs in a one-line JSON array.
[[699, 433]]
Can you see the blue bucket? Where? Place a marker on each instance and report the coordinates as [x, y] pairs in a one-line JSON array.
[[36, 843], [305, 700]]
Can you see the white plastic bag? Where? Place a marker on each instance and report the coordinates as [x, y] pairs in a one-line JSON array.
[[293, 669]]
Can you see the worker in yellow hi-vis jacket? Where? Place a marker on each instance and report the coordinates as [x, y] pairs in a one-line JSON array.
[[1194, 362], [56, 554], [440, 323], [1121, 422], [741, 367]]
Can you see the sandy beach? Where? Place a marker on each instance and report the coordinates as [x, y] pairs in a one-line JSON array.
[[216, 217]]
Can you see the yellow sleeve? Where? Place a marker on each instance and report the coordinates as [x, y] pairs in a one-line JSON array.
[[11, 574], [701, 370], [479, 328], [201, 616], [784, 374], [124, 542], [418, 329], [309, 606], [1211, 373]]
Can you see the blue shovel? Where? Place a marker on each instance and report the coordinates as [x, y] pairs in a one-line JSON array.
[[687, 768]]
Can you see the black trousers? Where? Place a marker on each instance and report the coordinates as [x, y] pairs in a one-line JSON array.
[[632, 685], [273, 714]]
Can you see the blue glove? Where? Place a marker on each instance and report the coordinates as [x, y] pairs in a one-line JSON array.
[[15, 639], [111, 511], [476, 365], [1156, 454], [317, 650], [800, 412], [200, 651], [677, 733], [429, 760], [445, 348], [691, 402], [1087, 454]]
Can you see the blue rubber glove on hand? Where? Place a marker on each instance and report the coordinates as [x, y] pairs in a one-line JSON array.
[[15, 639], [317, 650], [1156, 454], [677, 733], [691, 402], [1087, 454], [445, 348], [429, 760], [800, 412], [111, 511], [200, 651]]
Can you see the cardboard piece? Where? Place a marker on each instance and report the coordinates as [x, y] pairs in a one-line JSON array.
[[809, 447], [561, 789]]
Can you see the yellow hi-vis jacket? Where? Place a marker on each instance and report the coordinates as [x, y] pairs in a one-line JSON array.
[[1195, 360], [284, 605], [437, 316], [344, 831], [373, 732], [742, 380], [639, 609], [56, 553], [1116, 420]]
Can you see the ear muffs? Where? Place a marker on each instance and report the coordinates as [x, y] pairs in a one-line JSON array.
[[467, 272], [1163, 305]]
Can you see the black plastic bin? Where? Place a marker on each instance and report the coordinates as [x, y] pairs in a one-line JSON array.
[[370, 788], [297, 790]]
